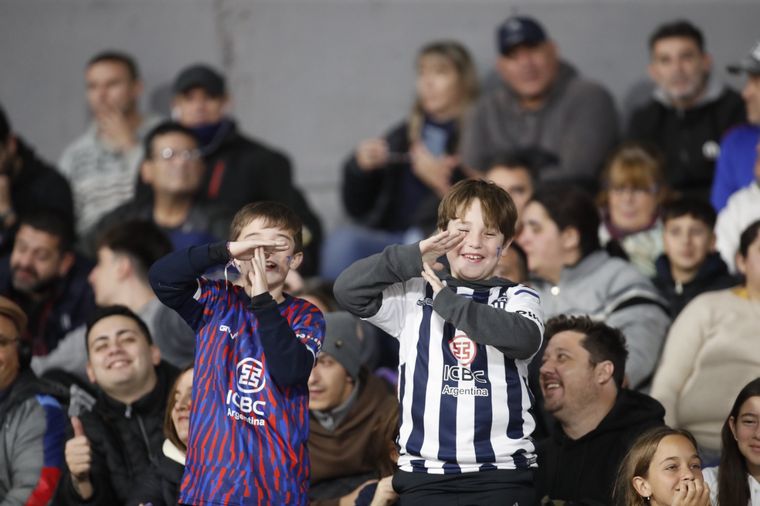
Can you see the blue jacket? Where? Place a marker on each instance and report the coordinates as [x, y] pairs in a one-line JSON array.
[[735, 167]]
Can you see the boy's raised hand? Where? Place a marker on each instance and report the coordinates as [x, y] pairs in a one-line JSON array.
[[245, 249], [257, 276], [438, 245], [429, 275]]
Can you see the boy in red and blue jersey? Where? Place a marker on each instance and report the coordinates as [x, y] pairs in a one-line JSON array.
[[254, 350]]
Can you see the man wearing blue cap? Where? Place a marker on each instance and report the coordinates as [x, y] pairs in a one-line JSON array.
[[542, 104]]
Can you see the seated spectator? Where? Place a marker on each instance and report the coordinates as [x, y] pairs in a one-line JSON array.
[[582, 371], [27, 184], [514, 172], [737, 479], [689, 111], [391, 185], [690, 265], [174, 171], [239, 169], [633, 189], [743, 208], [101, 166], [32, 423], [662, 469], [513, 265], [160, 486], [542, 104], [738, 150], [574, 276], [121, 278], [47, 279], [345, 405], [120, 437], [713, 343]]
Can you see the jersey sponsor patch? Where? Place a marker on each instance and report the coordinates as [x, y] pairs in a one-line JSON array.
[[463, 349]]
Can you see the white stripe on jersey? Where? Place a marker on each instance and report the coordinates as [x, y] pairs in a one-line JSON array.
[[464, 419]]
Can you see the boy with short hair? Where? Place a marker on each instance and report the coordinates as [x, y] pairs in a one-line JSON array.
[[465, 344], [255, 348], [689, 265]]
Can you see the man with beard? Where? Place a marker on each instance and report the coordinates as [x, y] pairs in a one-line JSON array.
[[26, 184], [689, 111], [102, 164], [598, 419], [47, 279]]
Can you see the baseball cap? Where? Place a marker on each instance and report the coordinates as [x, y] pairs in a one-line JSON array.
[[518, 30], [342, 341], [749, 64], [11, 310], [200, 76]]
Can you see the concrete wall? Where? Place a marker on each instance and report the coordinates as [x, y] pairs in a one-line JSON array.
[[315, 76]]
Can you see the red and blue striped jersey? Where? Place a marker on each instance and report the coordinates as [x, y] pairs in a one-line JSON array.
[[249, 427]]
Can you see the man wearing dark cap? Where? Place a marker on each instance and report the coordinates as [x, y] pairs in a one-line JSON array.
[[27, 183], [541, 104], [239, 170], [738, 150], [346, 403], [32, 423], [102, 164]]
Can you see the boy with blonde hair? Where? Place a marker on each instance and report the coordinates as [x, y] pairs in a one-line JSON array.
[[255, 348], [465, 344]]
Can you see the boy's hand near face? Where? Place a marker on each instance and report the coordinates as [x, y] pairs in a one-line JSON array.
[[438, 245], [257, 275], [245, 250]]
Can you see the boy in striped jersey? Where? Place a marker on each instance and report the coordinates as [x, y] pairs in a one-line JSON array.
[[465, 343], [254, 350]]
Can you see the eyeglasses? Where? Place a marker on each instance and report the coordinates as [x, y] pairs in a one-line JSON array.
[[185, 155]]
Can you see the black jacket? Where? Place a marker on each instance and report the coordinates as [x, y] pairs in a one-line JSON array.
[[584, 470], [374, 198], [125, 440], [240, 170], [712, 275], [69, 304], [36, 186], [688, 138], [160, 486]]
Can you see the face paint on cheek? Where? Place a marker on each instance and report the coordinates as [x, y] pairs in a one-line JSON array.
[[498, 252]]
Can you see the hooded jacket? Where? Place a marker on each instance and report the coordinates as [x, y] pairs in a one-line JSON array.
[[571, 133], [31, 442], [125, 441], [712, 275], [583, 470], [689, 138]]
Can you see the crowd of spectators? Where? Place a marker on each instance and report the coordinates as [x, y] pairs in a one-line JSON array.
[[642, 242]]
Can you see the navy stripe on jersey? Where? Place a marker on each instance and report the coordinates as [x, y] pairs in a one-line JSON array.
[[414, 444], [447, 428], [483, 409], [465, 406]]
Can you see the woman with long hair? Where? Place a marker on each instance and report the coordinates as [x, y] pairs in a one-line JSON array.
[[736, 481], [159, 486], [391, 185], [662, 468]]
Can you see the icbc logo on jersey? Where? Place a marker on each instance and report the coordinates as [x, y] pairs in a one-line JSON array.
[[250, 376], [463, 349]]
